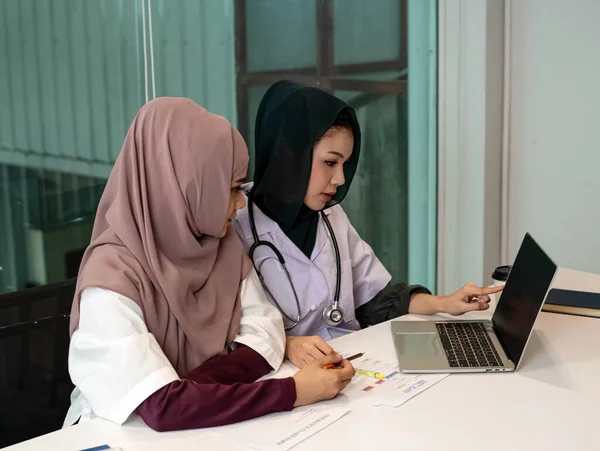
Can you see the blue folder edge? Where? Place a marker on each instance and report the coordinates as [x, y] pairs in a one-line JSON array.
[[571, 298]]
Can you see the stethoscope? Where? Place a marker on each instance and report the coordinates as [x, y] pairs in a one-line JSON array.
[[332, 314]]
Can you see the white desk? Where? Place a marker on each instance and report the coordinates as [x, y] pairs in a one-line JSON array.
[[551, 403]]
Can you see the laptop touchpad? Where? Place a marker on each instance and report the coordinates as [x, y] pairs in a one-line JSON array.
[[419, 345]]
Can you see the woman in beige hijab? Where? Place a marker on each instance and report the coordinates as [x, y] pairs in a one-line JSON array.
[[168, 319]]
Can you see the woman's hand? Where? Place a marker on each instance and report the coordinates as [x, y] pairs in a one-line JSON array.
[[313, 383], [467, 299], [302, 351]]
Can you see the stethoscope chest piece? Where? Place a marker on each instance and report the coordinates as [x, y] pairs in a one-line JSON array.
[[333, 315]]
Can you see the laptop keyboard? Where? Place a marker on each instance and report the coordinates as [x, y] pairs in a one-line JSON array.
[[467, 344]]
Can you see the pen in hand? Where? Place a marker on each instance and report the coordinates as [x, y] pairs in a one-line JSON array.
[[352, 357]]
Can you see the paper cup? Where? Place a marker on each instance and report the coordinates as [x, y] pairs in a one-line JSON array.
[[500, 275]]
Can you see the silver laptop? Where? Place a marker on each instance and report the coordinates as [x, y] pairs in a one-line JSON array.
[[481, 346]]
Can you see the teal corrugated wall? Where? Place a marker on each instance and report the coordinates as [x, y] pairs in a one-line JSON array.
[[72, 73], [69, 80]]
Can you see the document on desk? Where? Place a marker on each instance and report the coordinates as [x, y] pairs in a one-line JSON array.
[[281, 431], [393, 390]]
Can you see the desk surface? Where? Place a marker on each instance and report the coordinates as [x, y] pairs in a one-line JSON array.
[[551, 403]]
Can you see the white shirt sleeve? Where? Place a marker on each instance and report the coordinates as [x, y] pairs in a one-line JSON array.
[[262, 324], [114, 361]]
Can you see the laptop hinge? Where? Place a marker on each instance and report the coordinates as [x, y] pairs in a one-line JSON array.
[[495, 329]]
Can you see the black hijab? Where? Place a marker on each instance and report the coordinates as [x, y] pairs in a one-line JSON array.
[[291, 118]]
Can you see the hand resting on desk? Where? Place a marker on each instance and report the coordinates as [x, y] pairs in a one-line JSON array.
[[302, 351]]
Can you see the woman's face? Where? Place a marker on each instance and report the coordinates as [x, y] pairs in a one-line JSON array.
[[236, 202], [327, 172]]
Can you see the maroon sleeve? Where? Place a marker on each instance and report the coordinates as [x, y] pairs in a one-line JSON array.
[[243, 364], [219, 392], [185, 404]]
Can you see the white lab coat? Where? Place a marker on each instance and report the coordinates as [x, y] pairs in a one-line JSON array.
[[116, 363], [362, 274]]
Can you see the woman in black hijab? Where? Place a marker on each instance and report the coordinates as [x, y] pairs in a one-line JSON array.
[[307, 147], [290, 120]]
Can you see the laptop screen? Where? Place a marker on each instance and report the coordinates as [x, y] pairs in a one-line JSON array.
[[522, 298]]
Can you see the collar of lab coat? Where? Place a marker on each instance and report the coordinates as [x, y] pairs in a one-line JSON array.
[[265, 225]]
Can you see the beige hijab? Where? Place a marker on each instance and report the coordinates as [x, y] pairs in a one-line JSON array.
[[156, 234]]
